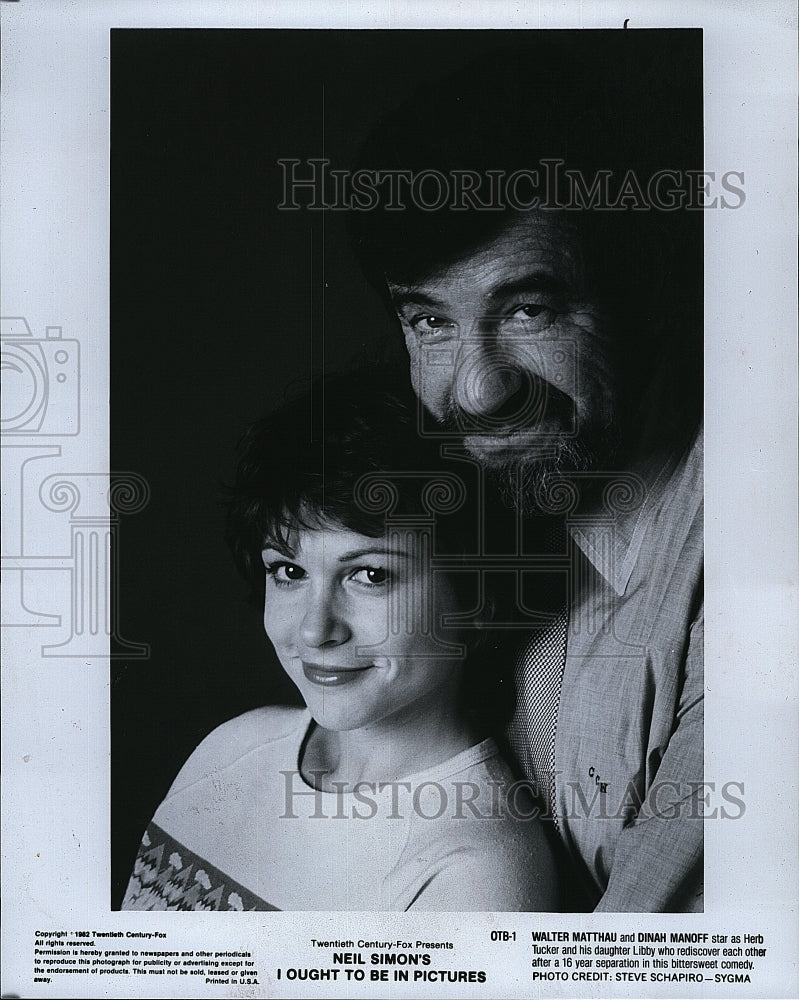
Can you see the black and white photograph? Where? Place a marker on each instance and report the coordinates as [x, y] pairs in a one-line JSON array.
[[556, 354], [427, 392]]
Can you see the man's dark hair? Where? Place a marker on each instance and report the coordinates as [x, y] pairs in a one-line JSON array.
[[627, 102]]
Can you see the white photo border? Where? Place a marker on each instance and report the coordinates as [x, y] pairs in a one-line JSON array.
[[55, 179]]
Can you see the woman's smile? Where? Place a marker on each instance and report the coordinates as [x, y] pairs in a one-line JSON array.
[[330, 676]]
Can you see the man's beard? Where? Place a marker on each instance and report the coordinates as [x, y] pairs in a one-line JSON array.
[[542, 477], [557, 482]]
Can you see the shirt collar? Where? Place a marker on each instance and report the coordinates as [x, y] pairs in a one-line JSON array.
[[611, 539]]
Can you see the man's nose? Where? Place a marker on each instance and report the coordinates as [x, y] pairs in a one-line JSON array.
[[486, 379], [322, 623]]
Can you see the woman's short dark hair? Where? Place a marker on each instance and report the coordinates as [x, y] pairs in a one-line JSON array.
[[345, 453]]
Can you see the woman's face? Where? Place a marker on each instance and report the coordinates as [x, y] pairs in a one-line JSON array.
[[357, 624]]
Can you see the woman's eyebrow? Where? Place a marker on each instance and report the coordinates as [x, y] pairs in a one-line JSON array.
[[282, 550], [373, 551]]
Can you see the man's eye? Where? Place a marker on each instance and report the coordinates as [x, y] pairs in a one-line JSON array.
[[285, 573], [432, 325], [370, 576], [532, 310], [532, 316]]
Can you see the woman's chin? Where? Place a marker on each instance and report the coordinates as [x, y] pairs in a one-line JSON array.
[[335, 718]]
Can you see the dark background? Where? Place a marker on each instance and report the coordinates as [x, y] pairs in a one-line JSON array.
[[219, 302]]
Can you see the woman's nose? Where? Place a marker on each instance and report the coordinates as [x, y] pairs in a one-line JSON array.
[[485, 379], [322, 625]]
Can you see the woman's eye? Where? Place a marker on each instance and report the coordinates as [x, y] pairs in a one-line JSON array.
[[371, 576], [284, 573]]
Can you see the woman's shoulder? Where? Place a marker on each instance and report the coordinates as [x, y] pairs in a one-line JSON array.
[[258, 726], [496, 854], [237, 738]]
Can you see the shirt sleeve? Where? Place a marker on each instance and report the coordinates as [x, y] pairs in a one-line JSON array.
[[667, 835]]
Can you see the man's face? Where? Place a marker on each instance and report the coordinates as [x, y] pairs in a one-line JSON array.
[[508, 352]]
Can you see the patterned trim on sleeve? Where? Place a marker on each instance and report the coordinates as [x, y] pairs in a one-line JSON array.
[[168, 876]]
